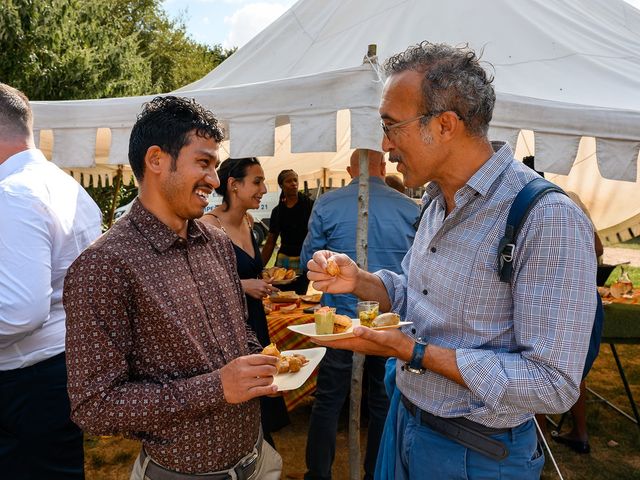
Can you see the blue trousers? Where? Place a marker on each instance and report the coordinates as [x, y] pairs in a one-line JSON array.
[[334, 382], [425, 454], [38, 440]]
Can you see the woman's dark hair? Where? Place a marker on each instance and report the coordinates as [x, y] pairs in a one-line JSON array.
[[233, 168], [167, 123]]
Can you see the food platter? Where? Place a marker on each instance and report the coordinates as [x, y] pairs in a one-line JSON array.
[[309, 330], [284, 297], [286, 281], [291, 381], [279, 275]]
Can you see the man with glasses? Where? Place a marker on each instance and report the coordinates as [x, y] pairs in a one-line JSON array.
[[481, 355]]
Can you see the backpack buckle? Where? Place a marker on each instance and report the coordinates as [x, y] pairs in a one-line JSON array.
[[506, 256]]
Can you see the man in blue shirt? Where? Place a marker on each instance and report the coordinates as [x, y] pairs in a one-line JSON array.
[[332, 226], [482, 355]]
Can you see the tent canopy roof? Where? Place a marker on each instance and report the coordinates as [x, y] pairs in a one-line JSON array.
[[563, 70]]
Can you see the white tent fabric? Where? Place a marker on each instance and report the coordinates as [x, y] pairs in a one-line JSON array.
[[567, 71]]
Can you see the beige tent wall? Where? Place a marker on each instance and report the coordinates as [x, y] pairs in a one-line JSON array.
[[614, 206]]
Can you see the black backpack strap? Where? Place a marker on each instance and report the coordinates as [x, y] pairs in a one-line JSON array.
[[416, 224], [520, 208]]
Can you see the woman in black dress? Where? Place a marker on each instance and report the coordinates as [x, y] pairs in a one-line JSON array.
[[289, 221], [242, 187]]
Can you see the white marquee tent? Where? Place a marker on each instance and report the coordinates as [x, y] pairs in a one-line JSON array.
[[567, 77]]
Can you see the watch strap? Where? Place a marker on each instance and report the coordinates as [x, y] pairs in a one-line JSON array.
[[419, 349]]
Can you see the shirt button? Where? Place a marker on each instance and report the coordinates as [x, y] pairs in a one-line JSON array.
[[425, 291], [433, 249]]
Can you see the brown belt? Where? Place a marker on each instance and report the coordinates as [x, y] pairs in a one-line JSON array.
[[243, 469], [470, 434]]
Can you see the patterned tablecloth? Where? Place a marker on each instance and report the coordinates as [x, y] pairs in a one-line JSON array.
[[285, 339]]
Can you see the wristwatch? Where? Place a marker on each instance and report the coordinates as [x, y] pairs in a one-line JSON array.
[[415, 364]]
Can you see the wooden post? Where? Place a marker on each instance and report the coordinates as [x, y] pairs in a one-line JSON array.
[[358, 359], [362, 243], [117, 182]]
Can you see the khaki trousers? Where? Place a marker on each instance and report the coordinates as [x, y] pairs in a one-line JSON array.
[[269, 466]]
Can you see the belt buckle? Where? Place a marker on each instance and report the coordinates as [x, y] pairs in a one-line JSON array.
[[241, 469]]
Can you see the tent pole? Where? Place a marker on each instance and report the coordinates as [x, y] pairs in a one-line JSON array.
[[358, 359], [362, 245], [116, 192]]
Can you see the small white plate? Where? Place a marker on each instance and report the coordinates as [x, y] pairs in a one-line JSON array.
[[309, 329], [291, 381]]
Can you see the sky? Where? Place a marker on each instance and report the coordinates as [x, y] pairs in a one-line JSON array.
[[232, 23]]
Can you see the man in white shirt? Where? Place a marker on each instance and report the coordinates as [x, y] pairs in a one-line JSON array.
[[47, 220]]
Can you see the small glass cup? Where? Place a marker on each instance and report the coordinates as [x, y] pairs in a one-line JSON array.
[[367, 312], [324, 318]]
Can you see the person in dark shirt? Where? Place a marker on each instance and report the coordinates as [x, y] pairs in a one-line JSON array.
[[289, 222]]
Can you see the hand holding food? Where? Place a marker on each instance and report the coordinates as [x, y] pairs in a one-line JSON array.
[[332, 272], [286, 363]]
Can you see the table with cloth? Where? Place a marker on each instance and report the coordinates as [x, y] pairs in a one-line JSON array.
[[622, 325], [285, 339]]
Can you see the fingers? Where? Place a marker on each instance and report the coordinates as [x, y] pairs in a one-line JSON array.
[[260, 359], [271, 390], [318, 262]]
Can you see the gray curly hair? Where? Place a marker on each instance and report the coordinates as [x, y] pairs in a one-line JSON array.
[[453, 80]]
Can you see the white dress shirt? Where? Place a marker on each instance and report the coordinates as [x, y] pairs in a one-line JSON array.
[[46, 220]]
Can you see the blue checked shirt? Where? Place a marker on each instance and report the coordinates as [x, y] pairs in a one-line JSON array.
[[520, 347], [333, 225]]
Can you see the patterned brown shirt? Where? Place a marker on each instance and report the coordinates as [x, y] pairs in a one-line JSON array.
[[151, 318]]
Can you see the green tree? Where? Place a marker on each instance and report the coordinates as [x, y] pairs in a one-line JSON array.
[[74, 49]]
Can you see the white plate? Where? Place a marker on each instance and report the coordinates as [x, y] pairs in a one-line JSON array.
[[291, 381], [309, 329]]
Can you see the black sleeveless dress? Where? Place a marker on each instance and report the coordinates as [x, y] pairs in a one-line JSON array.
[[274, 411]]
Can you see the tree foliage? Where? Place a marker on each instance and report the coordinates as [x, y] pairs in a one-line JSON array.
[[81, 49], [74, 49]]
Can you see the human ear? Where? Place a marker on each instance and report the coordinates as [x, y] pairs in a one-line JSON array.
[[448, 125], [153, 159]]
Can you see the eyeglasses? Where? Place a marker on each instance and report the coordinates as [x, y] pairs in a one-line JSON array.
[[387, 128]]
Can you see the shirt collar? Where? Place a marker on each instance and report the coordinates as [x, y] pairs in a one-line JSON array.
[[372, 179], [486, 175], [159, 235], [19, 160]]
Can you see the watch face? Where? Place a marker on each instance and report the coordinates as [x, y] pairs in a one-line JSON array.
[[411, 369]]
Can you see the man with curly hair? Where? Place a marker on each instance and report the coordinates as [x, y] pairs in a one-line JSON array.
[[158, 344], [482, 356]]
